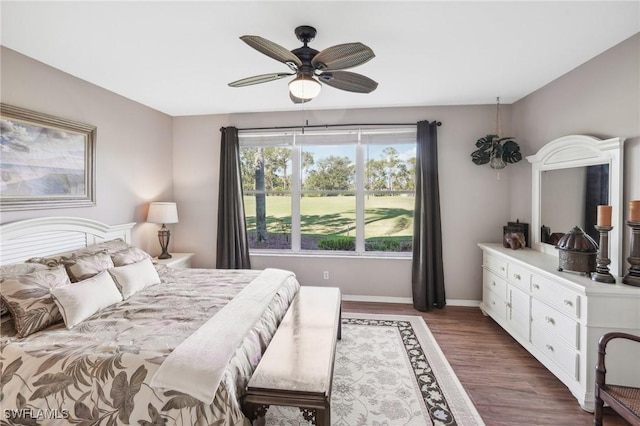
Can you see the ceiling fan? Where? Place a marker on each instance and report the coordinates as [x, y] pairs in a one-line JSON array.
[[310, 66]]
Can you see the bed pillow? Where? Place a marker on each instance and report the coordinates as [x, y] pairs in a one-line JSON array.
[[29, 300], [110, 246], [20, 269], [129, 256], [81, 268], [79, 301], [17, 269], [132, 278]]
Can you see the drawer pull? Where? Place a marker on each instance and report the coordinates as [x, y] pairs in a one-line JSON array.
[[549, 348], [502, 268], [493, 283], [517, 276], [508, 304], [568, 302], [550, 320], [536, 286]]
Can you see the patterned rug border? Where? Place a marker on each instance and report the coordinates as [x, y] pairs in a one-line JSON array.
[[459, 403]]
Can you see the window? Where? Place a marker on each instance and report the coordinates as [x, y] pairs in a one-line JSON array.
[[347, 190]]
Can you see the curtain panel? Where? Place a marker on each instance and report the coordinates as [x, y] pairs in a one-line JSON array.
[[232, 250], [427, 272]]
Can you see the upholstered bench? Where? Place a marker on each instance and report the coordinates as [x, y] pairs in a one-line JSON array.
[[297, 367]]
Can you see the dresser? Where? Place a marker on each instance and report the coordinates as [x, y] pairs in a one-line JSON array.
[[559, 316]]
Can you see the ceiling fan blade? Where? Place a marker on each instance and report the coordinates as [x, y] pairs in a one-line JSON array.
[[272, 50], [349, 81], [262, 78], [342, 56]]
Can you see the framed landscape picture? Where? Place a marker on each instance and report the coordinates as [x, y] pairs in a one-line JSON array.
[[45, 161]]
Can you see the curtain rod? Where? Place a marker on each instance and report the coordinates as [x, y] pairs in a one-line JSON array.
[[327, 126]]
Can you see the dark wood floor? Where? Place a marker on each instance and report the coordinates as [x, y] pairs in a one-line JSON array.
[[508, 386]]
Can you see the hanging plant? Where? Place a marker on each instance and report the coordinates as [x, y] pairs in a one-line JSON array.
[[496, 150]]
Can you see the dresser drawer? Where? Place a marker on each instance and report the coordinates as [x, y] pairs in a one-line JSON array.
[[496, 264], [560, 353], [494, 305], [519, 276], [554, 322], [494, 283], [563, 299]]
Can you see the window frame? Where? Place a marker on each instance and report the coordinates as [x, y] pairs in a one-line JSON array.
[[296, 191]]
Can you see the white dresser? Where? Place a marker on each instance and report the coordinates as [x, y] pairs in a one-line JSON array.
[[559, 316]]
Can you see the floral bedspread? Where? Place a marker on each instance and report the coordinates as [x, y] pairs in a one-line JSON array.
[[98, 373]]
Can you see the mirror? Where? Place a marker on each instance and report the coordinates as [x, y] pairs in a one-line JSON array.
[[569, 197], [560, 171]]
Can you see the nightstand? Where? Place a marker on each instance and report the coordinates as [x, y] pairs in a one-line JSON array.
[[178, 260]]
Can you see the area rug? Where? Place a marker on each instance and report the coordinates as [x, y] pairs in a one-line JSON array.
[[389, 371]]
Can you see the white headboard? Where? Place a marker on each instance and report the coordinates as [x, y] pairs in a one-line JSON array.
[[47, 236]]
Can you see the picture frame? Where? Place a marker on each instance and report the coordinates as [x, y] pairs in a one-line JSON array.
[[46, 162]]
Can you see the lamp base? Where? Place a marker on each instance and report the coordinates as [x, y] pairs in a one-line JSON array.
[[164, 236]]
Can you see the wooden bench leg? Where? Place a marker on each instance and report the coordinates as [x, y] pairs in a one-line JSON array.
[[323, 417], [317, 416], [340, 323], [255, 412]]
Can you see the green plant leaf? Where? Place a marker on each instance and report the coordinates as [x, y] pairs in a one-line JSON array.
[[511, 152], [485, 142], [480, 157]]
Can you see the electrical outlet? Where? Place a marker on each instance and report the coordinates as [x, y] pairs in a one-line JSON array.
[[325, 275]]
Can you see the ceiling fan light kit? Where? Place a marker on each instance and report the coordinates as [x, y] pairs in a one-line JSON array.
[[312, 67], [304, 87]]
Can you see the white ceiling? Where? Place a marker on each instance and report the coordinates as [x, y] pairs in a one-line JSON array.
[[178, 57]]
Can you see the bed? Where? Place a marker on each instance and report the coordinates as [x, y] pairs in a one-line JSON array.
[[178, 348]]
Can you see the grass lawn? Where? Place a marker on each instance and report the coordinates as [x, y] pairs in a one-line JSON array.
[[389, 217]]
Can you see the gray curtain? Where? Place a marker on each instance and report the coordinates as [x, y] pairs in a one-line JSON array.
[[427, 275], [233, 245]]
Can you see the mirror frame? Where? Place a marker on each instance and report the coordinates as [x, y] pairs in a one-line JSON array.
[[577, 151]]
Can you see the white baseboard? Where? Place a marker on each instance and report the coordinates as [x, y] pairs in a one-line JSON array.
[[405, 300]]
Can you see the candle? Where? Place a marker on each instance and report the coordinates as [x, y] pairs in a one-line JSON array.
[[634, 211], [604, 215]]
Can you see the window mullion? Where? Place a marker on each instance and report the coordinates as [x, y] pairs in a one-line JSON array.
[[360, 177], [296, 183]]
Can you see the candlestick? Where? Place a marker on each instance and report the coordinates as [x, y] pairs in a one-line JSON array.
[[634, 211], [602, 273], [604, 215], [633, 276]]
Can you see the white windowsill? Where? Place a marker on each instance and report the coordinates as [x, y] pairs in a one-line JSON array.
[[320, 255]]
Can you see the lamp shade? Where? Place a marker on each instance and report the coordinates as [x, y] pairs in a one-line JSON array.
[[304, 87], [162, 212]]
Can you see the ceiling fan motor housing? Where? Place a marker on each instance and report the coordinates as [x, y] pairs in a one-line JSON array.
[[305, 33]]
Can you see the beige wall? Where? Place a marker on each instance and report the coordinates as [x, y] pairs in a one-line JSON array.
[[133, 143], [474, 202], [600, 98], [144, 155]]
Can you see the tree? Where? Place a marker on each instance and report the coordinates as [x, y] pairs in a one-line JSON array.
[[247, 167], [261, 208], [332, 173], [277, 160], [376, 175], [392, 161]]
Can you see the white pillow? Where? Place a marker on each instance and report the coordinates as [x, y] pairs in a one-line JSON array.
[[132, 278], [79, 301]]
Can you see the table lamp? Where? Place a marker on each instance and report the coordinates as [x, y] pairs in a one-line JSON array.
[[163, 212]]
